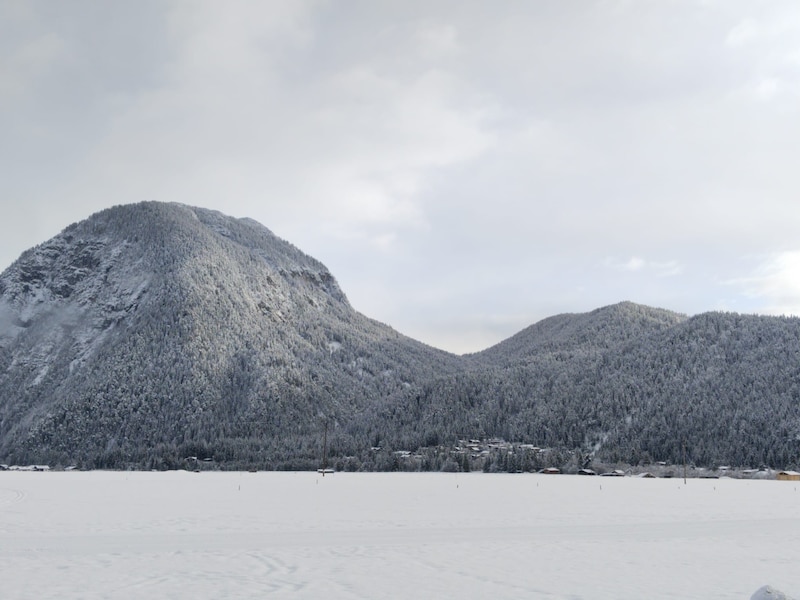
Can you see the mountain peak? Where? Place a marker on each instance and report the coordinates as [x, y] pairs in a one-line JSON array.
[[599, 329], [151, 322], [154, 239]]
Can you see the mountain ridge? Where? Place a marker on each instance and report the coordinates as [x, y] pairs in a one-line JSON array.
[[152, 332], [601, 326]]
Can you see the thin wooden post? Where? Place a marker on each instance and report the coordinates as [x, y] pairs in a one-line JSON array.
[[684, 462], [325, 449]]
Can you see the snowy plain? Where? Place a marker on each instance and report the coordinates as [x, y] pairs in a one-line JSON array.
[[181, 535]]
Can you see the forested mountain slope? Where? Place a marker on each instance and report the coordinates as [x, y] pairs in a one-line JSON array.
[[153, 332], [158, 330], [724, 386], [592, 332]]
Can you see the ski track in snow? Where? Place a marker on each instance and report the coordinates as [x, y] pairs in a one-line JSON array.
[[111, 535], [9, 497]]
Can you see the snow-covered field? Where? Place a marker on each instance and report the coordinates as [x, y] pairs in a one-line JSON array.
[[298, 535]]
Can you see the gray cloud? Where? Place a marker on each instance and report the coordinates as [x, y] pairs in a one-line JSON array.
[[463, 169]]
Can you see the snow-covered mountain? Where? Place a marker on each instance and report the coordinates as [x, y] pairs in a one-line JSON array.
[[152, 332], [163, 326]]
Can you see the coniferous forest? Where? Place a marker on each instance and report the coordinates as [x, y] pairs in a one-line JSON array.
[[164, 336]]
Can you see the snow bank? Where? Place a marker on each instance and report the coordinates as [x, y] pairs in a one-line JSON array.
[[769, 593]]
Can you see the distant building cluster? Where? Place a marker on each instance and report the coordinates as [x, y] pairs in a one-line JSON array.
[[24, 468]]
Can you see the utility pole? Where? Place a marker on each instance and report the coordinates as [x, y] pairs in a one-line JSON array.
[[684, 462], [325, 449]]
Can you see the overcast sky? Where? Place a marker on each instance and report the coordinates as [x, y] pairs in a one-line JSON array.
[[464, 169]]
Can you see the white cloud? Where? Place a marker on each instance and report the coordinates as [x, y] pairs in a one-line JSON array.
[[768, 88], [745, 31], [634, 264], [775, 283], [233, 119], [637, 264]]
